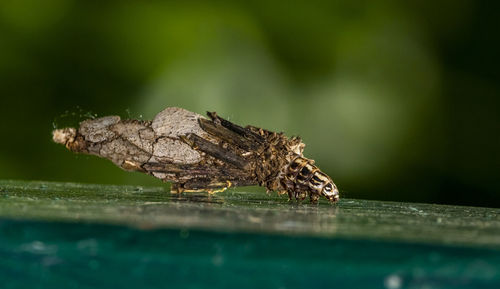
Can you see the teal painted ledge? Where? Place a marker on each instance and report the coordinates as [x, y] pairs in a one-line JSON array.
[[64, 235]]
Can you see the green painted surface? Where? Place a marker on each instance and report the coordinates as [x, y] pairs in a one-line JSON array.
[[254, 211], [91, 236]]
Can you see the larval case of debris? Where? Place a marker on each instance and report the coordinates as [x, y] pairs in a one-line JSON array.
[[202, 154]]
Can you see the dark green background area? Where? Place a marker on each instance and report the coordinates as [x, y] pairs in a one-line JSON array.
[[396, 100]]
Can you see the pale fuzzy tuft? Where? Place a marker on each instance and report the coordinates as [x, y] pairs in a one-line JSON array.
[[63, 136]]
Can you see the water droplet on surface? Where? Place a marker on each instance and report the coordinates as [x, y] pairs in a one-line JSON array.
[[393, 281]]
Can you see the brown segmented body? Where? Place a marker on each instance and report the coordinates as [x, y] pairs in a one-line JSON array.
[[303, 177]]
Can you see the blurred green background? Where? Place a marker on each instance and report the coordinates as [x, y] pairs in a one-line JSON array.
[[396, 100]]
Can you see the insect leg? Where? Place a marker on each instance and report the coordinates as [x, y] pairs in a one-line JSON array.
[[313, 197], [175, 188], [296, 193], [200, 185], [300, 195], [206, 185]]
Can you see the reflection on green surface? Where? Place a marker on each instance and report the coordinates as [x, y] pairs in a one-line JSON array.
[[68, 235], [250, 212]]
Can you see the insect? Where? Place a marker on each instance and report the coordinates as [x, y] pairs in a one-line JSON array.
[[202, 154]]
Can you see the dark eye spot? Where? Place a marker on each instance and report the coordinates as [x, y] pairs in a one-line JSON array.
[[305, 171], [294, 165], [328, 188]]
